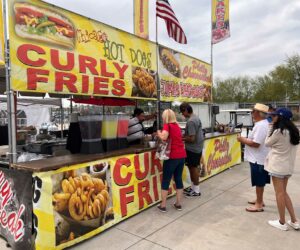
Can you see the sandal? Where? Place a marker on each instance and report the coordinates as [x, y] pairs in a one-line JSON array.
[[254, 209], [253, 203]]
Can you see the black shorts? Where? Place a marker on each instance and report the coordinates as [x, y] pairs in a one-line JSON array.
[[259, 176], [192, 159]]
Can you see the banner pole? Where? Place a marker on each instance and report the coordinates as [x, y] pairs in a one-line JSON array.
[[159, 125], [133, 16], [212, 118], [12, 130]]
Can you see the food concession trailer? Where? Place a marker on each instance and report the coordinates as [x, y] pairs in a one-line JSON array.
[[58, 201]]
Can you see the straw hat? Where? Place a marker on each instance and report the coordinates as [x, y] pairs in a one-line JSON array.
[[261, 107]]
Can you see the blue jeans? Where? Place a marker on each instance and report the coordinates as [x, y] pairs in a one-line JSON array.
[[172, 167]]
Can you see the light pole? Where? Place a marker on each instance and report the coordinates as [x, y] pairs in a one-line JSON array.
[[286, 95]]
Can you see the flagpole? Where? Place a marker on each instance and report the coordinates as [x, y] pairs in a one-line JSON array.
[[12, 131], [212, 69], [157, 74]]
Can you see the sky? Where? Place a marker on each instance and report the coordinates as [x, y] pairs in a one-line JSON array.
[[263, 33]]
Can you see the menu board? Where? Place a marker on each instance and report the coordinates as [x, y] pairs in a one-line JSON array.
[[57, 51], [183, 78]]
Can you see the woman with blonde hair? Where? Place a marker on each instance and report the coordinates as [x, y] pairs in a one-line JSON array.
[[173, 167]]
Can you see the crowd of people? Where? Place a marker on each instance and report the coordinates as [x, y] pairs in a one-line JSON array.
[[270, 149]]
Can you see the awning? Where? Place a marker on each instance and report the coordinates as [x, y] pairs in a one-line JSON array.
[[34, 101], [105, 101]]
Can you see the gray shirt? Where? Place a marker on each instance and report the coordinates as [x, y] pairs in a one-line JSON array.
[[194, 127]]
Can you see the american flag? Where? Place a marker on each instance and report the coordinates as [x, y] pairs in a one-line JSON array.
[[164, 11]]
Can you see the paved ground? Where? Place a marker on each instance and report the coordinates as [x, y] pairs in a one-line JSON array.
[[217, 220]]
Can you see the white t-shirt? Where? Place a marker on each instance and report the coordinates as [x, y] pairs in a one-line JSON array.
[[135, 130], [258, 135]]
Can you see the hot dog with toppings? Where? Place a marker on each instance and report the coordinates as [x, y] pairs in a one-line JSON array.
[[43, 25]]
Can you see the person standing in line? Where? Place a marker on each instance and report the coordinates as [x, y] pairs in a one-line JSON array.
[[256, 153], [194, 140], [173, 166], [283, 139]]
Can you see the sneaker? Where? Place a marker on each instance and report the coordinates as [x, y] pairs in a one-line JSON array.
[[177, 207], [192, 194], [294, 225], [277, 224], [187, 190], [162, 209]]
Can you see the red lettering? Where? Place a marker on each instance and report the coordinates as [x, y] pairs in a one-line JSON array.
[[140, 175], [121, 70], [124, 199], [86, 62], [23, 51], [118, 178], [33, 78], [5, 193], [67, 79], [56, 62], [155, 163], [119, 87], [3, 220], [155, 189], [18, 228], [143, 192], [101, 86], [104, 71], [11, 221], [85, 84]]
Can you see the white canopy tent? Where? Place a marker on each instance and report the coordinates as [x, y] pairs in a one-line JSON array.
[[36, 109]]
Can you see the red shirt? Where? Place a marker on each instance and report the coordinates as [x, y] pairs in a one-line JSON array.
[[177, 146]]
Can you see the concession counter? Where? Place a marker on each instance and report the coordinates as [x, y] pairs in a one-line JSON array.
[[75, 197]]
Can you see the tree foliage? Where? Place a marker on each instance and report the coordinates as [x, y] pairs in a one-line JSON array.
[[280, 84]]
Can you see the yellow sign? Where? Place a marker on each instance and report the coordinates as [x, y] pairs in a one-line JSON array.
[[57, 51], [141, 18], [2, 61], [183, 78], [221, 153], [77, 202], [220, 20]]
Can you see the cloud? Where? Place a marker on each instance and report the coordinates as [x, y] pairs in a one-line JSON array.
[[263, 33]]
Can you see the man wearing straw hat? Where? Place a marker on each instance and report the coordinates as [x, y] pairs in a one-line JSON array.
[[256, 153]]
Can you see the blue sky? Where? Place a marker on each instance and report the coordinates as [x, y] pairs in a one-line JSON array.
[[263, 33]]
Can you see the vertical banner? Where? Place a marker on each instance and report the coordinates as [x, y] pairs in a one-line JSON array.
[[16, 208], [141, 18], [2, 61], [220, 20]]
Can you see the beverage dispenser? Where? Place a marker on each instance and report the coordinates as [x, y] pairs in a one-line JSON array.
[[122, 132], [109, 132], [90, 128]]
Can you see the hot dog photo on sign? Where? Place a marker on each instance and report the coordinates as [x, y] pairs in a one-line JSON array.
[[169, 61], [43, 25]]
